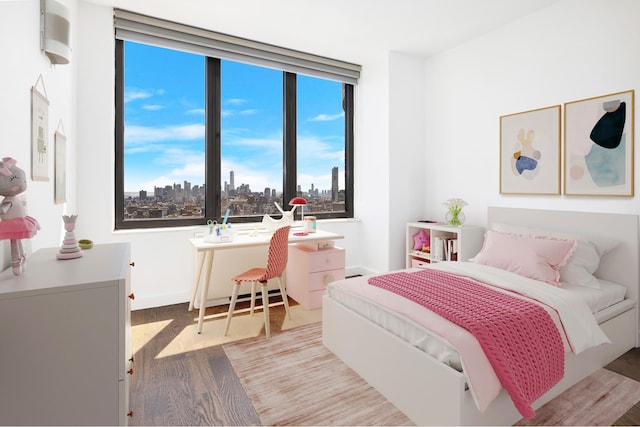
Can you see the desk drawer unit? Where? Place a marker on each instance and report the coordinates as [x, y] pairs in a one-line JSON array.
[[309, 271]]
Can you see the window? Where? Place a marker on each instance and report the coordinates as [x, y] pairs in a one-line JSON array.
[[164, 134], [320, 144], [252, 150], [199, 131]]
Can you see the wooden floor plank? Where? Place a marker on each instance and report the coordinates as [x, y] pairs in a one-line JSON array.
[[192, 388]]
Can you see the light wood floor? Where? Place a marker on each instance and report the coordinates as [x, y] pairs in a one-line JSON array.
[[201, 388]]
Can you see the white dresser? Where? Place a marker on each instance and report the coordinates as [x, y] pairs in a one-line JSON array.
[[65, 353]]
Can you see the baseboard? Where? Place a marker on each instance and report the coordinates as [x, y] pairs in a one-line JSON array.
[[159, 300]]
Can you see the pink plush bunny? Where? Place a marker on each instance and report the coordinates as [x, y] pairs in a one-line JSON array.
[[15, 224]]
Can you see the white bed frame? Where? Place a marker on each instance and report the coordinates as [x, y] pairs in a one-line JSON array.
[[429, 392]]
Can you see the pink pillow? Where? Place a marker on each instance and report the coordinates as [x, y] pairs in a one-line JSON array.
[[536, 257]]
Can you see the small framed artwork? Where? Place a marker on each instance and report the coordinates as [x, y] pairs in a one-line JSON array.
[[60, 169], [39, 138], [530, 152], [598, 153]]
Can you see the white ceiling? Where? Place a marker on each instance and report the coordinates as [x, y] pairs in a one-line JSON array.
[[344, 29]]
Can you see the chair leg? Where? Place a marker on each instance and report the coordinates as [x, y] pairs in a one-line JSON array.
[[265, 308], [285, 300], [253, 297], [232, 306]]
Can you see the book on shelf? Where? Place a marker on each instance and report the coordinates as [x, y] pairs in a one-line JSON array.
[[445, 249]]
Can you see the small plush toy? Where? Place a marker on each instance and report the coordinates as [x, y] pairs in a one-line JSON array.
[[421, 240], [15, 224]]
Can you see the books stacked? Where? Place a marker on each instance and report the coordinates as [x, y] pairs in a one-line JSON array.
[[444, 249]]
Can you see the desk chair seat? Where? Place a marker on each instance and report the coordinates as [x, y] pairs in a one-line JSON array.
[[276, 264]]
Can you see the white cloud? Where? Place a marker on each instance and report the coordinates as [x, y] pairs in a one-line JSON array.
[[143, 134], [232, 112], [135, 94], [189, 170], [235, 101], [153, 107], [326, 117]]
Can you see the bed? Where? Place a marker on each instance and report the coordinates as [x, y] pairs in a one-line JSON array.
[[431, 392]]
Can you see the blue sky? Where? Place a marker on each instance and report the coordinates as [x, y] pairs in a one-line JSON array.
[[164, 123]]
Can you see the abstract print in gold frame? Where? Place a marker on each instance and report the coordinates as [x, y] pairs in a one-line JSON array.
[[530, 152], [598, 149]]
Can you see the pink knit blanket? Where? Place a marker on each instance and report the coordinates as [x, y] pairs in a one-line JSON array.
[[518, 337]]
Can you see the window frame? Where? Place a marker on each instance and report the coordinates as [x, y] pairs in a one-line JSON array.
[[213, 179]]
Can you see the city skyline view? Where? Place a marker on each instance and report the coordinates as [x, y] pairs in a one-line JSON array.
[[165, 128]]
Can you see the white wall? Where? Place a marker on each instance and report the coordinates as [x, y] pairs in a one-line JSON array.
[[23, 63], [406, 148], [572, 50], [426, 130]]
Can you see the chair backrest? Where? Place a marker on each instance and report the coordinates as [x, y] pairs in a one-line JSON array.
[[278, 253]]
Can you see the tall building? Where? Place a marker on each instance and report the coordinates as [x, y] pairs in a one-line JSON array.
[[334, 184], [231, 181]]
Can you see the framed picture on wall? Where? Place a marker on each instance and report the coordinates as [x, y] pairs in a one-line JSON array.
[[530, 152], [599, 145], [39, 137], [60, 169]]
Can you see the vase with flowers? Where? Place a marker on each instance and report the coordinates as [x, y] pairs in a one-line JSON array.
[[455, 216]]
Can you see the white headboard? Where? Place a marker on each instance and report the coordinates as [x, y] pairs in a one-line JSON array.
[[621, 265]]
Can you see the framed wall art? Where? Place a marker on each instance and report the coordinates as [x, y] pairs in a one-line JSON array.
[[599, 146], [530, 152], [60, 169], [39, 137]]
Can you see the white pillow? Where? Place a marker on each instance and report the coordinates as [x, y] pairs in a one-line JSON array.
[[536, 257], [585, 258]]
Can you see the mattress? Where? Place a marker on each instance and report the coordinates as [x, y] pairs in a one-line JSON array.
[[597, 300]]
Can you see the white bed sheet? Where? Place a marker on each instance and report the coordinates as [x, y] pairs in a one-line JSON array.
[[596, 299]]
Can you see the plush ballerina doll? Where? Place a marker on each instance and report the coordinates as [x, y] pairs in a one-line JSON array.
[[15, 224]]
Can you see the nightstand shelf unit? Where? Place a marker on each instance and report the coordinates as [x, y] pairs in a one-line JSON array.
[[447, 243]]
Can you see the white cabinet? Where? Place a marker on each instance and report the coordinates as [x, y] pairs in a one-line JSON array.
[[445, 243], [65, 353], [310, 270]]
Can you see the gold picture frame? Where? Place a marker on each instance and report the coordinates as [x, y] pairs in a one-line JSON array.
[[599, 146], [530, 152]]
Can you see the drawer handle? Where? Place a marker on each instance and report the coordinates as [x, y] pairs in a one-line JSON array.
[[130, 371], [132, 296], [328, 279], [131, 359], [130, 414], [132, 264]]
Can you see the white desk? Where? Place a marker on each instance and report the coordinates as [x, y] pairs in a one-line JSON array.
[[205, 251]]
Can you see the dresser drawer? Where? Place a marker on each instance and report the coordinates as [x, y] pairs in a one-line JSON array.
[[419, 263], [319, 280], [313, 300], [325, 259]]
